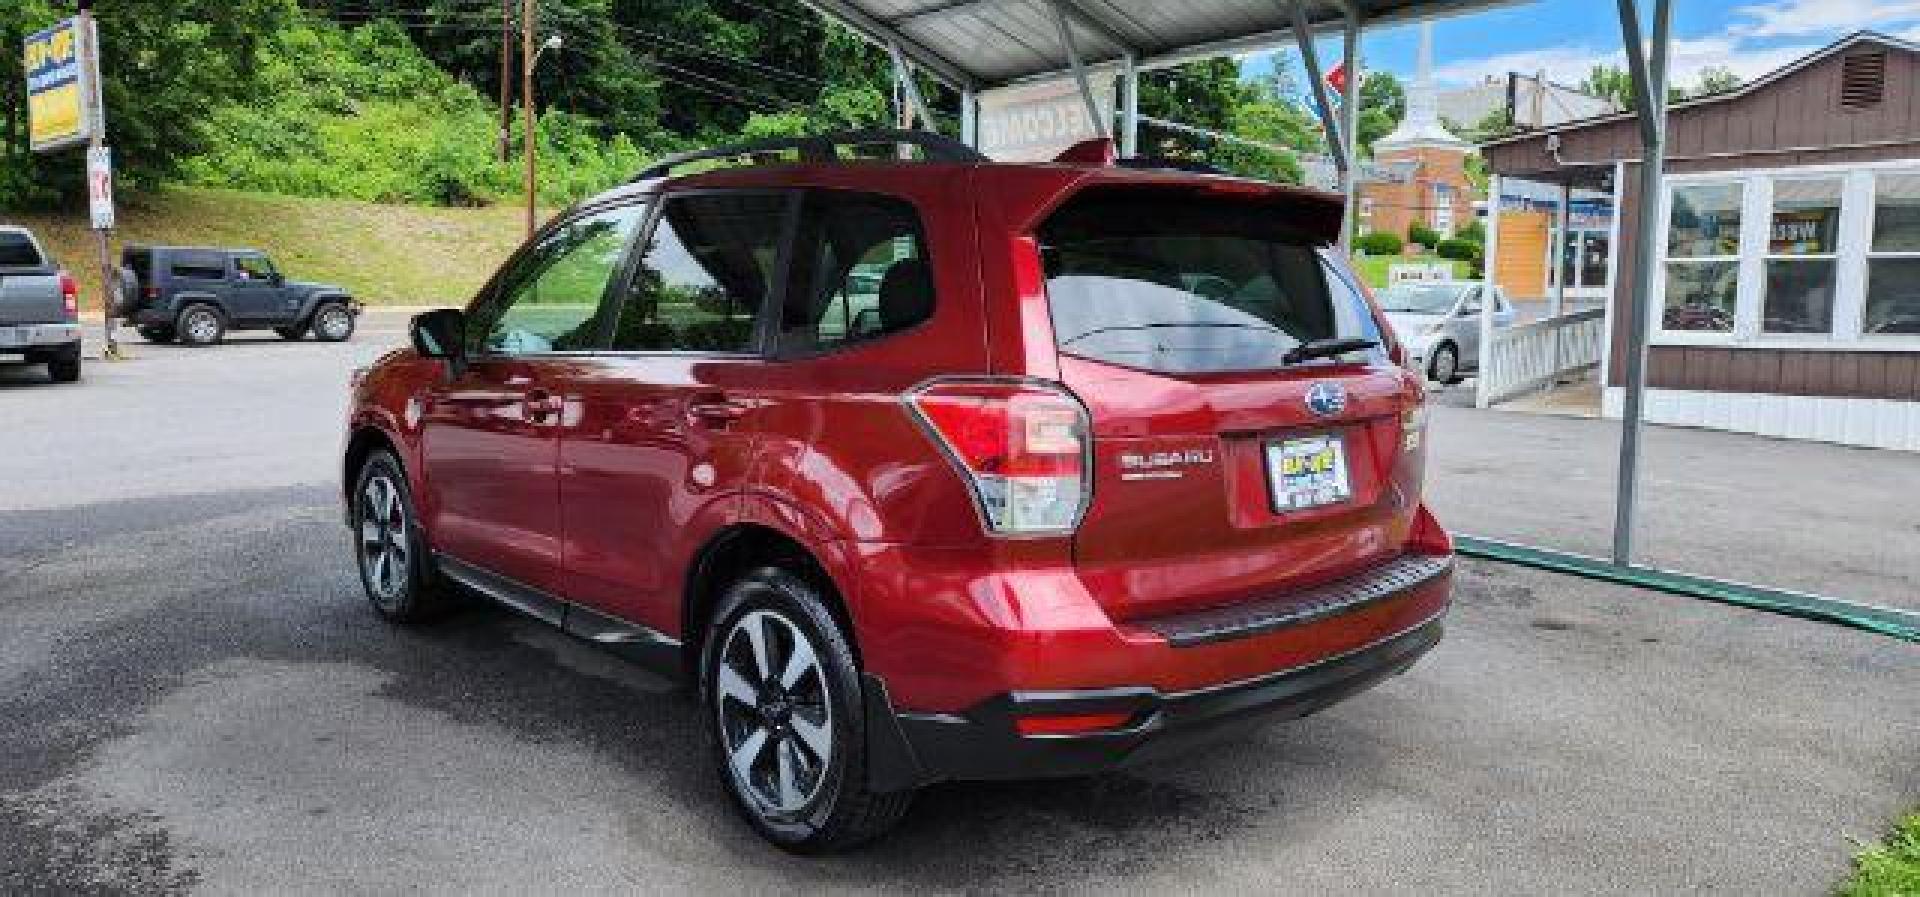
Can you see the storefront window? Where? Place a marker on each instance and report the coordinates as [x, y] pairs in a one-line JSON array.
[[1893, 262], [1703, 268], [1802, 239]]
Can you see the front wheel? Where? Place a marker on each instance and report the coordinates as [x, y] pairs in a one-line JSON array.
[[784, 695], [332, 323], [395, 571]]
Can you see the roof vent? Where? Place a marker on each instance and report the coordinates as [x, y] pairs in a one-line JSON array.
[[1863, 80]]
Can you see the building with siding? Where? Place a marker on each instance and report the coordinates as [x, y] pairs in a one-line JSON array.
[[1786, 296]]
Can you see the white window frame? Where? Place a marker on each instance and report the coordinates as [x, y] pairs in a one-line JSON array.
[[1896, 340], [1756, 220]]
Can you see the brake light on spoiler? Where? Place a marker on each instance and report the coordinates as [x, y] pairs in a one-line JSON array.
[[1022, 445]]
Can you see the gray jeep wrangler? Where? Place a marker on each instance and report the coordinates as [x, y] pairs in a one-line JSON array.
[[195, 295]]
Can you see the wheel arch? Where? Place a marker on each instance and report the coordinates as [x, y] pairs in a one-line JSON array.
[[361, 444], [734, 550]]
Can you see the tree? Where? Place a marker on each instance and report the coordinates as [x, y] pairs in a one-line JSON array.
[[1383, 105], [164, 64], [1610, 83], [1716, 79]]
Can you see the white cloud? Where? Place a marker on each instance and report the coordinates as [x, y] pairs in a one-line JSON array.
[[1799, 18], [1569, 64], [1750, 45]]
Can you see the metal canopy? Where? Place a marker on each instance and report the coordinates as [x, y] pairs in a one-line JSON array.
[[982, 44]]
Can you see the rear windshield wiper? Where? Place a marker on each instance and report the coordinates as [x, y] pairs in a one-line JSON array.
[[1326, 348]]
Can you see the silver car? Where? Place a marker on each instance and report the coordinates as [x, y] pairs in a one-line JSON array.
[[1439, 323]]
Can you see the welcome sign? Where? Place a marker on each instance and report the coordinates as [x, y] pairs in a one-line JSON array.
[[57, 88]]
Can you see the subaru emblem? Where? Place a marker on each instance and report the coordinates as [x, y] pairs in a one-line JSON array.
[[1326, 399]]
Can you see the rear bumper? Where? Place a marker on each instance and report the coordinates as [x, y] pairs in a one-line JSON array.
[[913, 749], [38, 337]]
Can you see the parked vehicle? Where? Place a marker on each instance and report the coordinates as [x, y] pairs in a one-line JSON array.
[[196, 296], [39, 306], [921, 470], [1439, 322]]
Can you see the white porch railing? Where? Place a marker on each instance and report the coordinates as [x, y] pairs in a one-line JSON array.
[[1532, 355]]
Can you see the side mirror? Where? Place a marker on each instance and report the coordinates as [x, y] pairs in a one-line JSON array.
[[440, 334]]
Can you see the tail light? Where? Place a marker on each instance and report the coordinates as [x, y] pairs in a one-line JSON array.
[[1022, 446], [70, 295]]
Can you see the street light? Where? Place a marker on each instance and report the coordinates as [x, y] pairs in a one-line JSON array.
[[553, 42]]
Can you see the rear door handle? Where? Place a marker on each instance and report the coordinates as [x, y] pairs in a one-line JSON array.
[[715, 411]]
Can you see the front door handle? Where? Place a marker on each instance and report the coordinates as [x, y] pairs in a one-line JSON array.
[[543, 406]]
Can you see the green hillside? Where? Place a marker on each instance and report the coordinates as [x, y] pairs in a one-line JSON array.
[[405, 255]]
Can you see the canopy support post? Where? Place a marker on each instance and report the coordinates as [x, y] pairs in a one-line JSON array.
[[1100, 127], [903, 74], [1350, 127], [970, 118], [1482, 385], [1648, 68], [1303, 36], [1130, 108]]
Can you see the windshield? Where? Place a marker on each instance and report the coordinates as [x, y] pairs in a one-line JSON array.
[[1188, 286], [1420, 298]]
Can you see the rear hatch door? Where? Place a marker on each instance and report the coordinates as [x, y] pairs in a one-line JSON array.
[[1227, 468]]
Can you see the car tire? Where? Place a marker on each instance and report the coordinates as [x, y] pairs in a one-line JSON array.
[[156, 333], [200, 324], [291, 334], [794, 760], [390, 548], [333, 322], [65, 369], [1444, 367]]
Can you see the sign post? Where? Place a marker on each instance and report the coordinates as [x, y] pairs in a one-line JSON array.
[[64, 109]]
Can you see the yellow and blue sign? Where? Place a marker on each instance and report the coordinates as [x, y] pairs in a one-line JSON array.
[[57, 88]]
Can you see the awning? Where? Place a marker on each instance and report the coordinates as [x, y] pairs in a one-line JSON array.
[[982, 44]]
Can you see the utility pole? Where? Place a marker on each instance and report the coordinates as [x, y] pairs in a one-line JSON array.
[[527, 137], [99, 176], [506, 80]]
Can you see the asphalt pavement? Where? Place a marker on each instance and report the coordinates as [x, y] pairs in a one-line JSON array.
[[195, 698]]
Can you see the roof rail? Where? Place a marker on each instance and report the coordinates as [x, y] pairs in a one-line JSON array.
[[823, 149]]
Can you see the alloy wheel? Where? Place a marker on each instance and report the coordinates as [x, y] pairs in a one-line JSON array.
[[202, 327], [333, 323], [776, 716], [385, 550]]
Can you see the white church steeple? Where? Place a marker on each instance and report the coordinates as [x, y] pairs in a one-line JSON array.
[[1421, 128]]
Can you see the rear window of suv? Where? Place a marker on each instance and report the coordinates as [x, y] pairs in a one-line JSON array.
[[1182, 284], [16, 251]]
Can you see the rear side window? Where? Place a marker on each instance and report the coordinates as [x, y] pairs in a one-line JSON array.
[[1180, 284], [707, 273], [199, 266], [860, 272], [17, 251]]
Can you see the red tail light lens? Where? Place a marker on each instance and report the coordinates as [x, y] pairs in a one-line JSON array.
[[70, 295], [1022, 445]]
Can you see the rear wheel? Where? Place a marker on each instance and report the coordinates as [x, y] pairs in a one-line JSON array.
[[395, 571], [779, 680], [200, 325], [332, 323]]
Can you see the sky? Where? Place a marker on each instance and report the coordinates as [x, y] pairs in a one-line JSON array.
[[1567, 38]]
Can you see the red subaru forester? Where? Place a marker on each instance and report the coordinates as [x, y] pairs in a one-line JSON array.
[[920, 467]]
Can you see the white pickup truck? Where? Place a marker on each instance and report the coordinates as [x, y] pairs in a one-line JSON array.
[[39, 307]]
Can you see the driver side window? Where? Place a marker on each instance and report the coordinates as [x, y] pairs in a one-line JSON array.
[[551, 300]]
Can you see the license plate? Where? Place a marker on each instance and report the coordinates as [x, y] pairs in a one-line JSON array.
[[1308, 472]]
